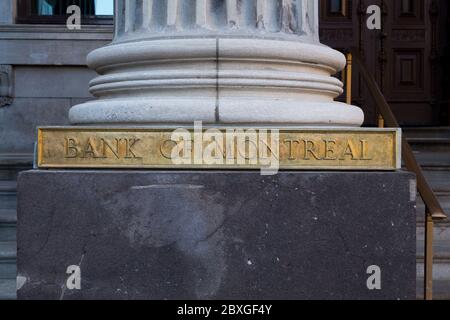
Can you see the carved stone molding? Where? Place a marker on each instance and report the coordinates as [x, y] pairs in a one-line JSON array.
[[218, 61], [6, 85]]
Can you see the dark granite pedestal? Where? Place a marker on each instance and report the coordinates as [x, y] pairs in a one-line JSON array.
[[216, 235]]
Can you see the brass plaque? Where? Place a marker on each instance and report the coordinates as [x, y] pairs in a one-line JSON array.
[[222, 148]]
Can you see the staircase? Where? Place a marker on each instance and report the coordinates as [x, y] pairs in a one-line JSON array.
[[432, 149], [8, 219]]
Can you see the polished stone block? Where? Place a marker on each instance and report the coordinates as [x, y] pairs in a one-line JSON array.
[[216, 235]]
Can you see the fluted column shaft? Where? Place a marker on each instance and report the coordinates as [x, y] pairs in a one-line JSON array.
[[275, 18], [255, 62]]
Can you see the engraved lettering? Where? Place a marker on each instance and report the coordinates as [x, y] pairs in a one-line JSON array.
[[267, 150], [231, 148], [330, 150], [71, 149], [166, 146], [365, 150], [89, 150], [106, 146], [269, 154], [129, 144], [350, 151], [247, 141], [248, 148], [310, 149], [290, 144]]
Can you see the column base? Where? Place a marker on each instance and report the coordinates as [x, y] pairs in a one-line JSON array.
[[217, 80], [147, 111]]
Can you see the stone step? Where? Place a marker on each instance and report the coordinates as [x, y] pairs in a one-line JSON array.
[[441, 269], [8, 194], [8, 216], [444, 200], [430, 141], [8, 262], [441, 289], [8, 289], [441, 250], [8, 232], [433, 159], [8, 250], [8, 185], [8, 220], [438, 147], [441, 231], [427, 132], [439, 180], [432, 149], [7, 174], [11, 173], [13, 163], [441, 279]]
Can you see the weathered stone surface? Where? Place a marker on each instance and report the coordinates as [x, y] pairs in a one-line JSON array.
[[53, 51], [39, 82], [216, 235], [19, 122]]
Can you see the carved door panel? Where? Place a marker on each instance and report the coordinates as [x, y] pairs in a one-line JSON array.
[[406, 56]]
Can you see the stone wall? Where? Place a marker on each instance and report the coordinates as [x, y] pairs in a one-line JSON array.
[[48, 75]]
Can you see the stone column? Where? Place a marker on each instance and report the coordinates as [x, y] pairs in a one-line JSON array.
[[223, 62]]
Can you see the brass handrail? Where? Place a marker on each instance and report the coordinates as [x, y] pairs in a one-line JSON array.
[[433, 209]]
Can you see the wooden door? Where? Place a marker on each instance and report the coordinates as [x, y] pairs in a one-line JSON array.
[[407, 56]]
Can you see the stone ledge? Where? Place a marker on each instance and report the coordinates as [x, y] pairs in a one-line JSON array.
[[54, 32]]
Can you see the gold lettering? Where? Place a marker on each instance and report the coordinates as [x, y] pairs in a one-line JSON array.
[[266, 150], [106, 146], [291, 143], [129, 144], [365, 150], [250, 152], [310, 148], [330, 149], [70, 145], [349, 151], [299, 149], [89, 150], [163, 150]]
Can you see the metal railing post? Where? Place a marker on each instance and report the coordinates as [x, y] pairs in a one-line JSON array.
[[348, 78], [428, 261], [380, 121]]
